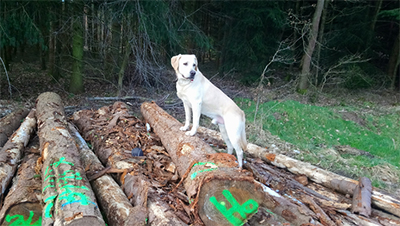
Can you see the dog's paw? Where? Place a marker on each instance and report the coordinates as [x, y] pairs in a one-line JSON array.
[[184, 128], [190, 133]]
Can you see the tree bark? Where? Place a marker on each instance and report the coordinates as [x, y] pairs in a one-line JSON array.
[[67, 195], [394, 62], [306, 61], [10, 123], [362, 198], [76, 84], [22, 205], [112, 199], [214, 180], [124, 63], [11, 153], [161, 214]]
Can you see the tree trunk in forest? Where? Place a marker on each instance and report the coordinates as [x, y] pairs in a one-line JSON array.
[[52, 49], [123, 67], [76, 83], [213, 178], [306, 61], [112, 199], [67, 195], [394, 62], [377, 9], [11, 153], [320, 42], [10, 123], [22, 205]]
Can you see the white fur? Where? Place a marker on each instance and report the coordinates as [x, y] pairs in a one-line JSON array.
[[200, 96]]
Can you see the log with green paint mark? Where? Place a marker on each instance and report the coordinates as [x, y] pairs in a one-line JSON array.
[[210, 174]]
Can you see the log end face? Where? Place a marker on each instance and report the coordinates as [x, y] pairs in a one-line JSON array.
[[229, 202]]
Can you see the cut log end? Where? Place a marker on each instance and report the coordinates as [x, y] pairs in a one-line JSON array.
[[24, 214], [228, 201]]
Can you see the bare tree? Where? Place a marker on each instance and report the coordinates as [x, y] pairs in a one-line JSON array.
[[306, 61]]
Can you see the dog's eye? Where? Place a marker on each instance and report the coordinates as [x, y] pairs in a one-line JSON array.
[[194, 65], [185, 64]]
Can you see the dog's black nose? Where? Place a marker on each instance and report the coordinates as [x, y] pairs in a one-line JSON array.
[[192, 73]]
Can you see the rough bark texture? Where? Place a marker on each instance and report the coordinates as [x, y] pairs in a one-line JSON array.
[[161, 214], [306, 61], [12, 151], [112, 199], [362, 197], [22, 205], [221, 194], [67, 194], [10, 123]]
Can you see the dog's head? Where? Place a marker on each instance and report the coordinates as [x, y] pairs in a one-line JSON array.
[[185, 66]]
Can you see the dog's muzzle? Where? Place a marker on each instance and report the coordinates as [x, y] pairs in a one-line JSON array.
[[192, 74]]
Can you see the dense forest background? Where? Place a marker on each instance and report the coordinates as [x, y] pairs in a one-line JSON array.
[[307, 44]]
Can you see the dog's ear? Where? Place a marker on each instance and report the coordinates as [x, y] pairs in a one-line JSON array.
[[197, 63], [175, 61]]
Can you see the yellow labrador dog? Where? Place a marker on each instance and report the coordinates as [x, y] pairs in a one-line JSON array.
[[202, 97]]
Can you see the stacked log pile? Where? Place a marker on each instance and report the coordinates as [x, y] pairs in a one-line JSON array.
[[148, 172]]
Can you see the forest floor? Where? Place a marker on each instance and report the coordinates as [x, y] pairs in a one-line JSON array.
[[28, 81]]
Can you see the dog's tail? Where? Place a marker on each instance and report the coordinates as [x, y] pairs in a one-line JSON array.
[[243, 141]]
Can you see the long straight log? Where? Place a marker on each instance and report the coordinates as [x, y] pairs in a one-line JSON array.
[[22, 205], [11, 153], [10, 123], [328, 179], [112, 199], [68, 197], [217, 190]]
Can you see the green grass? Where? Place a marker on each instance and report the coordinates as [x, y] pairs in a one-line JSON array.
[[313, 129]]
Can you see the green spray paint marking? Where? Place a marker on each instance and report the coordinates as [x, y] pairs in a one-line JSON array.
[[249, 207], [194, 175], [49, 203], [70, 193], [21, 221], [56, 164], [48, 186]]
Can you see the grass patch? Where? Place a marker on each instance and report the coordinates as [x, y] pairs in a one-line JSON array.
[[314, 129]]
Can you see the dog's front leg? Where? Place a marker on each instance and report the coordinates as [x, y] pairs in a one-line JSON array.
[[187, 117], [196, 107]]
